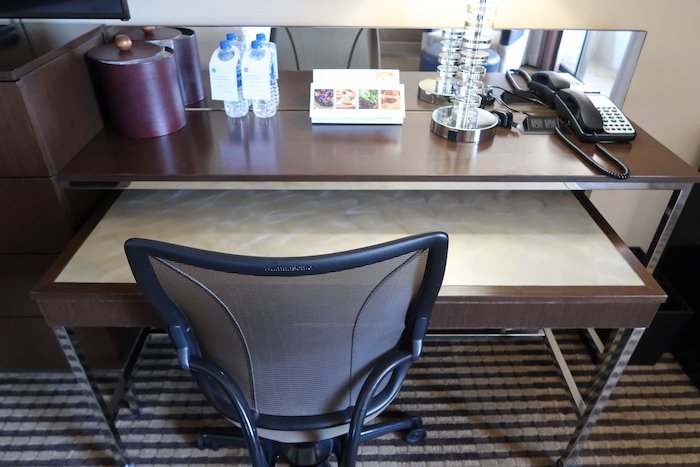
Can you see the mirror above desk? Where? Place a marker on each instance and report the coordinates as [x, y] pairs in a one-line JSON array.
[[603, 59]]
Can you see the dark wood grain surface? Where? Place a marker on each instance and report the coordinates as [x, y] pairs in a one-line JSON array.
[[49, 114], [287, 147], [39, 43], [212, 147]]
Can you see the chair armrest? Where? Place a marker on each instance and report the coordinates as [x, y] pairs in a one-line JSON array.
[[215, 374], [367, 392]]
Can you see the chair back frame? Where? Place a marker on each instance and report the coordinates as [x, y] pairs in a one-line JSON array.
[[222, 390]]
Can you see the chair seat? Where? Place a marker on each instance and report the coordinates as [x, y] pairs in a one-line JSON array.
[[291, 436]]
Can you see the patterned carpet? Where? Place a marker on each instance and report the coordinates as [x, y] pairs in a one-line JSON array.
[[484, 403]]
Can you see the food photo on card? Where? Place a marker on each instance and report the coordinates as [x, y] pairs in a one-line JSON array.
[[369, 99], [367, 103], [346, 99], [323, 98]]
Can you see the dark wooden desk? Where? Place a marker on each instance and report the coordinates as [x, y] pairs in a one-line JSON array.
[[287, 152], [212, 148], [288, 148]]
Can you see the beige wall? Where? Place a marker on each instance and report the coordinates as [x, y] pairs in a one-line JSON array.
[[663, 98]]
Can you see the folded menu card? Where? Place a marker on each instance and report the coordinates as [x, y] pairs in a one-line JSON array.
[[357, 96]]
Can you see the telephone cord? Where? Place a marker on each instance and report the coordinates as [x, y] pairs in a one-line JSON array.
[[511, 80], [604, 170]]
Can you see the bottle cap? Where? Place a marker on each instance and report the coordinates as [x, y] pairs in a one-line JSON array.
[[260, 36], [225, 44], [232, 36], [256, 44]]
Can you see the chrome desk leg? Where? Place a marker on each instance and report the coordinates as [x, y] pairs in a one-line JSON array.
[[96, 404], [668, 222], [123, 390], [564, 372], [617, 354]]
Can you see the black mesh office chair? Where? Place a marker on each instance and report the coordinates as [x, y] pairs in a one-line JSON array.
[[297, 352]]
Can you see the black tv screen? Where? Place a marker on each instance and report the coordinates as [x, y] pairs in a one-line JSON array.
[[72, 9]]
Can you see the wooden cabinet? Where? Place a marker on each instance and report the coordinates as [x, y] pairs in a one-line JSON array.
[[39, 216], [49, 111], [48, 105]]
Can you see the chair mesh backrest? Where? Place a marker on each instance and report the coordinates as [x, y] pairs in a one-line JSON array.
[[297, 345]]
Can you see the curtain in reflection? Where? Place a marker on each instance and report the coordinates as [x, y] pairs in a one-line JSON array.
[[629, 63], [542, 49]]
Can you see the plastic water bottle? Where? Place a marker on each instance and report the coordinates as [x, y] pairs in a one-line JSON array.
[[274, 93], [240, 45], [233, 37], [257, 82], [274, 73], [239, 108]]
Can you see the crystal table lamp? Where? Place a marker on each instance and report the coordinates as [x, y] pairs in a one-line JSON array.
[[459, 81]]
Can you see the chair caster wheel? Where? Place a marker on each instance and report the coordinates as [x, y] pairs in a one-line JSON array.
[[203, 444], [415, 435]]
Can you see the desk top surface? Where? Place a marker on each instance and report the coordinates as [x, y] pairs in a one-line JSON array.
[[287, 147]]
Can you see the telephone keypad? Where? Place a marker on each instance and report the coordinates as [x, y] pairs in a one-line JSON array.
[[614, 120]]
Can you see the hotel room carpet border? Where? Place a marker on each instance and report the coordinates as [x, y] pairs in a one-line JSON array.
[[483, 402]]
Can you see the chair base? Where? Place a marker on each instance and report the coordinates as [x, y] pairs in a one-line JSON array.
[[314, 454], [311, 454]]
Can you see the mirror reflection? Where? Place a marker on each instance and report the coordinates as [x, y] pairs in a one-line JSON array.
[[604, 60]]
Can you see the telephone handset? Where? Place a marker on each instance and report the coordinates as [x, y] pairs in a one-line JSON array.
[[593, 117]]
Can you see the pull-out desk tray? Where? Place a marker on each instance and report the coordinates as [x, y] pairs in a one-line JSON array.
[[528, 259]]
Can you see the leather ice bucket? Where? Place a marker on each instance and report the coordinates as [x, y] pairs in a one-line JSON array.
[[184, 42], [142, 87]]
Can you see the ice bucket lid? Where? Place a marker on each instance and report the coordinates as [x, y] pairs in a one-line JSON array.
[[125, 52], [152, 33]]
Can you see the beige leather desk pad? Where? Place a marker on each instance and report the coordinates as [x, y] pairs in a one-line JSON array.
[[507, 238]]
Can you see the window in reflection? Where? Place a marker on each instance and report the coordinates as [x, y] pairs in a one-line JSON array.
[[598, 58], [603, 59]]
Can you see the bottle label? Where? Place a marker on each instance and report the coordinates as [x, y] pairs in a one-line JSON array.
[[256, 76], [223, 76]]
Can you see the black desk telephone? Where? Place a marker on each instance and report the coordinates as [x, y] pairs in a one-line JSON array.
[[591, 116]]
